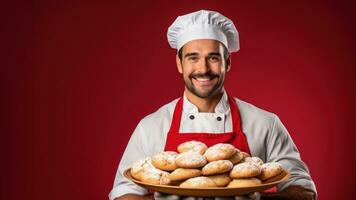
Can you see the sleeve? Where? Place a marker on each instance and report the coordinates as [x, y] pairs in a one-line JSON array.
[[281, 149], [132, 153]]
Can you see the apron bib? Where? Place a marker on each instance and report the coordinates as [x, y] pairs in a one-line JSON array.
[[236, 137]]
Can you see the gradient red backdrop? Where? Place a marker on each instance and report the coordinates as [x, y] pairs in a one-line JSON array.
[[78, 78]]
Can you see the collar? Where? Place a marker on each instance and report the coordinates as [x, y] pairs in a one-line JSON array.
[[221, 107]]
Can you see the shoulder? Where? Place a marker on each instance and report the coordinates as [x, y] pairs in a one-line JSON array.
[[252, 114], [162, 114]]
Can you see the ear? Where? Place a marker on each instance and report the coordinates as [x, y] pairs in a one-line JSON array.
[[179, 64], [228, 63]]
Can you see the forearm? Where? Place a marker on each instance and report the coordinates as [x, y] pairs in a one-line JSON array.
[[135, 197], [290, 193]]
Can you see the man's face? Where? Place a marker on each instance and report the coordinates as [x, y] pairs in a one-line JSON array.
[[203, 67]]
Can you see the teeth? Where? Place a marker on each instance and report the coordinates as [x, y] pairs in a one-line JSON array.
[[202, 79]]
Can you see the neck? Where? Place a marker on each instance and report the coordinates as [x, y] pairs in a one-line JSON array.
[[204, 104]]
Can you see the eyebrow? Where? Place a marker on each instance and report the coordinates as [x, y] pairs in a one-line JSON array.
[[190, 54], [195, 54], [214, 54]]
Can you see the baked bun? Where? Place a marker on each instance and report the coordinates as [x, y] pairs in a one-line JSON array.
[[248, 182], [198, 182], [193, 145], [181, 174], [155, 176], [256, 160], [190, 159], [270, 170], [237, 157], [217, 167], [139, 167], [221, 180], [245, 170], [219, 151], [245, 155], [165, 160]]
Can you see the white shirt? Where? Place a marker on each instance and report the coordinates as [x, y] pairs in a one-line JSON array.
[[267, 138]]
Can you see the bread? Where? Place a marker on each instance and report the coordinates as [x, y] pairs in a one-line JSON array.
[[237, 157], [155, 176], [221, 180], [193, 145], [217, 167], [197, 166], [198, 182], [190, 159], [270, 170], [182, 174], [219, 151], [165, 160], [248, 182], [139, 167], [245, 170], [254, 159]]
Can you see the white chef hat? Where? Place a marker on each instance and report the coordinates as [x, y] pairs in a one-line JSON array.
[[203, 24]]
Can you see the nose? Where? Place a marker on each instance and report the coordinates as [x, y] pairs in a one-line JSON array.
[[203, 66]]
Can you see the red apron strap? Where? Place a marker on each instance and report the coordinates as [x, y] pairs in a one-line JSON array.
[[235, 115], [237, 128], [177, 115]]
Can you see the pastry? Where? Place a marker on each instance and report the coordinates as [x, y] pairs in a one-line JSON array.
[[198, 182], [248, 182], [217, 167], [193, 145], [219, 151], [190, 159], [245, 170], [165, 160]]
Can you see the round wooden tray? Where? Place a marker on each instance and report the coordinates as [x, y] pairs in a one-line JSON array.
[[210, 192]]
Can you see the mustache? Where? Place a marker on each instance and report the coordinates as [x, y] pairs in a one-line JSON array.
[[208, 75]]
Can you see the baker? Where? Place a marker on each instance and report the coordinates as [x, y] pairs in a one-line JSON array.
[[207, 113]]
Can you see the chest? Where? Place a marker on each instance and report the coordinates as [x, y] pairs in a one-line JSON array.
[[205, 122]]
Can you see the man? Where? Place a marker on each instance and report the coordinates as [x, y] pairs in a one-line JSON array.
[[204, 40]]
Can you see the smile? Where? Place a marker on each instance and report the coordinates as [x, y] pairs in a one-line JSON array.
[[203, 81]]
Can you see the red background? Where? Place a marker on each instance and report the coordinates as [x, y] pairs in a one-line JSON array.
[[77, 78]]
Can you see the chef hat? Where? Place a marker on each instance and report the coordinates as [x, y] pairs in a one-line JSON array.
[[203, 24]]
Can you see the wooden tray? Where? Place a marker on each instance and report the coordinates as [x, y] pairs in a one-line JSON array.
[[210, 192]]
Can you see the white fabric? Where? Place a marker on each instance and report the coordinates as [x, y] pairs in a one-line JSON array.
[[203, 24], [265, 133]]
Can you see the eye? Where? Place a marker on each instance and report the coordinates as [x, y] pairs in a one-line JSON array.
[[193, 58], [214, 58]]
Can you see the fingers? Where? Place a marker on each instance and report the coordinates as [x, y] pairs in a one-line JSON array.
[[161, 196], [255, 196], [251, 196], [242, 198]]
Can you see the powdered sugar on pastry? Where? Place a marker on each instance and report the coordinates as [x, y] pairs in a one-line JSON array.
[[219, 151], [192, 146], [270, 170], [140, 166], [155, 176], [198, 182], [165, 160], [190, 159], [255, 160], [245, 170]]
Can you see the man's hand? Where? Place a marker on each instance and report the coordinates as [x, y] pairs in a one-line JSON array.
[[290, 193], [252, 196]]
